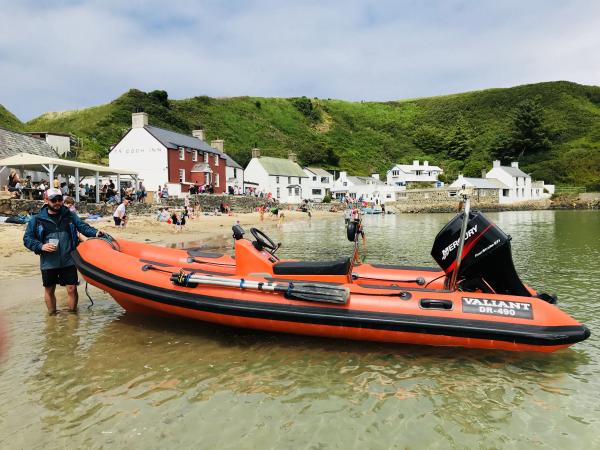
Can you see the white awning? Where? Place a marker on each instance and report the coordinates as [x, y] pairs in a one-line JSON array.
[[64, 166]]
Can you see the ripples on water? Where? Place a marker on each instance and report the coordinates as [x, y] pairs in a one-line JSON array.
[[105, 378]]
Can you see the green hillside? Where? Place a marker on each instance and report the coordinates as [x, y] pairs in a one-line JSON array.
[[552, 128], [9, 121]]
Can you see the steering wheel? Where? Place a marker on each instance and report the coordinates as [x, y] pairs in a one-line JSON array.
[[263, 241]]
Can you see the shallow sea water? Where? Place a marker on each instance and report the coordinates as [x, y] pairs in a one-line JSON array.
[[104, 378]]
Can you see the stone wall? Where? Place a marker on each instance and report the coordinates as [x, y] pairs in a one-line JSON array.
[[237, 203], [447, 200]]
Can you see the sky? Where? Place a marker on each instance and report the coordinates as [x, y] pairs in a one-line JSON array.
[[58, 55]]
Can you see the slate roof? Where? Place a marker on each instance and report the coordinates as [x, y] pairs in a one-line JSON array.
[[513, 171], [13, 143], [281, 166], [172, 139], [319, 172]]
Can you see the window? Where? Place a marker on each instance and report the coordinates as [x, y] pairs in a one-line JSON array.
[[182, 153], [234, 172], [297, 191], [278, 192], [289, 180], [216, 160], [195, 155], [216, 180], [395, 173], [345, 183], [289, 192], [277, 181], [316, 192], [181, 175], [205, 157], [324, 180], [315, 178]]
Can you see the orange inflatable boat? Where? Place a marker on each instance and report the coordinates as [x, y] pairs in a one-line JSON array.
[[475, 299]]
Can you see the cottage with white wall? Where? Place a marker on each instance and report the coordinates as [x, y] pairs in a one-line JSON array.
[[369, 189], [519, 186], [481, 187], [402, 174], [60, 143], [283, 178], [166, 157], [319, 182]]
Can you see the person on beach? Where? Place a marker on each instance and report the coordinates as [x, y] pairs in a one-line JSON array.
[[120, 214], [52, 234], [176, 222]]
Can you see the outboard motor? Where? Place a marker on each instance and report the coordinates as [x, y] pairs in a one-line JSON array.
[[486, 262]]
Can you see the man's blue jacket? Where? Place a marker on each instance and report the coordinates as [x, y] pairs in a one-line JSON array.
[[41, 228]]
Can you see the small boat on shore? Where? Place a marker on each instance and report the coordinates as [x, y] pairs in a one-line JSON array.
[[475, 299]]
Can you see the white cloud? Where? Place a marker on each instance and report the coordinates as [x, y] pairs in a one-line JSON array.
[[73, 54]]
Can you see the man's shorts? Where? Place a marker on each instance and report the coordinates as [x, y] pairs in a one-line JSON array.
[[63, 276]]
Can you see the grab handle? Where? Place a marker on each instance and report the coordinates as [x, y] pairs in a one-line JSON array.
[[435, 303]]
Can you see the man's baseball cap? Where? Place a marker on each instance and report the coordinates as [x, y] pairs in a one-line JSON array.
[[52, 193]]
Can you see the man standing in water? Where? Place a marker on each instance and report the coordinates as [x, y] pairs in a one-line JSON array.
[[52, 234]]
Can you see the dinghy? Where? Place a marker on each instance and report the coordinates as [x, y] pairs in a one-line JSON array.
[[475, 299]]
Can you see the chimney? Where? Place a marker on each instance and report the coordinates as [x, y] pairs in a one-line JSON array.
[[218, 144], [375, 175], [425, 163], [416, 162], [256, 152], [139, 120], [497, 163], [199, 134], [483, 172], [292, 157], [514, 164]]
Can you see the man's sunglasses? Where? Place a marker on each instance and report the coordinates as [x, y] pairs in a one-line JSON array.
[[56, 199]]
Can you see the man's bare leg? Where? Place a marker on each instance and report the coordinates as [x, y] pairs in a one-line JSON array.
[[72, 297], [50, 299]]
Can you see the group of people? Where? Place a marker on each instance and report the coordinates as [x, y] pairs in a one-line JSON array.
[[108, 192], [202, 189], [177, 220]]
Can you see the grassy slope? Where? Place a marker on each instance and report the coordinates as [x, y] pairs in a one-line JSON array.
[[363, 137], [9, 121]]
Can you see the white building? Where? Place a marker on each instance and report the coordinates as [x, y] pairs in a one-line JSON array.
[[60, 143], [402, 174], [481, 187], [369, 189], [512, 184], [178, 160], [519, 186], [319, 182], [283, 178]]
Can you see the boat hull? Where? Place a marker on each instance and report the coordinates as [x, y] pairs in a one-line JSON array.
[[368, 316]]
